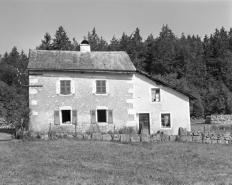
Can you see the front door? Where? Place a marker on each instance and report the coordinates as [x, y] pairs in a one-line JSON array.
[[144, 125]]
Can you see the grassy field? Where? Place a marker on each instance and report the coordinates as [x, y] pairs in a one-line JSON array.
[[91, 162]]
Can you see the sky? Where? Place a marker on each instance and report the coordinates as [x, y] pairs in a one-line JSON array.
[[23, 23]]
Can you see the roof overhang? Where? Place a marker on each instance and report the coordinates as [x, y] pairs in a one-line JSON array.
[[83, 70], [166, 84]]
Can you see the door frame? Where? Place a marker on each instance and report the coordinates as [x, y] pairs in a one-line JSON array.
[[149, 116]]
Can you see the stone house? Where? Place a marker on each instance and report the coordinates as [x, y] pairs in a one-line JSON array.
[[100, 88]]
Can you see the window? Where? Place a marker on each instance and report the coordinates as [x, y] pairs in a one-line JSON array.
[[101, 116], [65, 87], [155, 95], [65, 116], [165, 121], [101, 86]]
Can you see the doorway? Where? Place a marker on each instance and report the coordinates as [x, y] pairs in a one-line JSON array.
[[144, 123]]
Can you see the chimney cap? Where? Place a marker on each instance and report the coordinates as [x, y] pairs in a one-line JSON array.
[[85, 42]]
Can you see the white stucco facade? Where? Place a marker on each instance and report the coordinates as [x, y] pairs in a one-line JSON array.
[[171, 102]]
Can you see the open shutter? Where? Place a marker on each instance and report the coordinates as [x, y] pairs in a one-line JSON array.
[[74, 117], [110, 116], [93, 116], [58, 87], [94, 87], [107, 87], [56, 117], [72, 87]]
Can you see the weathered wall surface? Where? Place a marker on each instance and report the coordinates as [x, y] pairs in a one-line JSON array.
[[44, 100], [171, 102], [221, 119]]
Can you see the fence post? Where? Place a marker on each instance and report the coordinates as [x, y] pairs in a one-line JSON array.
[[75, 129], [22, 128], [49, 131]]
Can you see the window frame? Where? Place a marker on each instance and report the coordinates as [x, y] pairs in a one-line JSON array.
[[101, 108], [106, 115], [72, 86], [71, 114], [156, 88], [66, 87], [95, 87], [101, 87], [171, 123]]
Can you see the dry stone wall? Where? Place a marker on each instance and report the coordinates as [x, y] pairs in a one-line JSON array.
[[221, 119], [183, 136]]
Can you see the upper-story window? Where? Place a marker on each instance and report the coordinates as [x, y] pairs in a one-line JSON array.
[[65, 86], [100, 87], [155, 95]]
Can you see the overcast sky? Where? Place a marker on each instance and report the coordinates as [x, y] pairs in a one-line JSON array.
[[23, 23]]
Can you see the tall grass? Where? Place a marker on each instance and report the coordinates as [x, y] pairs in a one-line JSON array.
[[91, 162]]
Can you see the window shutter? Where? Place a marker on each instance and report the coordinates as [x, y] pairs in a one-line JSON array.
[[56, 117], [74, 117], [58, 87], [93, 116], [94, 87], [72, 87], [110, 116], [107, 87]]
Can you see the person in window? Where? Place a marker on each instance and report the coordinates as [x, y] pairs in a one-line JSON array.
[[166, 121]]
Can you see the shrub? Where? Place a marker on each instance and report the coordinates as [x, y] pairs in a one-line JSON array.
[[94, 128]]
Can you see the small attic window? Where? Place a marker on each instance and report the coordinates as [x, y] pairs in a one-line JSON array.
[[85, 42]]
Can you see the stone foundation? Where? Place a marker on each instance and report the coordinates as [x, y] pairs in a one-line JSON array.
[[184, 136]]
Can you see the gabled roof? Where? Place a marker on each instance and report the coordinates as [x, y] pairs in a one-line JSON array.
[[80, 61], [166, 84]]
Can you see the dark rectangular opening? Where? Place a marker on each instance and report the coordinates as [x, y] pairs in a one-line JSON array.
[[66, 116], [101, 115], [144, 123]]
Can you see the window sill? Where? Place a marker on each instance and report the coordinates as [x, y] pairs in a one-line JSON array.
[[65, 124], [156, 102], [102, 123], [101, 94], [167, 128], [65, 94]]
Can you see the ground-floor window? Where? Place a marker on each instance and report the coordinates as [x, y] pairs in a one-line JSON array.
[[165, 120], [66, 116], [101, 116]]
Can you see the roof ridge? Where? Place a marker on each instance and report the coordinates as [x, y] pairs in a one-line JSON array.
[[77, 51]]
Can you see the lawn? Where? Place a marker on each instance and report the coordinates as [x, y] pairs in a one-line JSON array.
[[94, 162]]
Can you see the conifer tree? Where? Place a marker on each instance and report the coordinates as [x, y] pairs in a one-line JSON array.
[[46, 43], [96, 43], [61, 40], [114, 44]]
